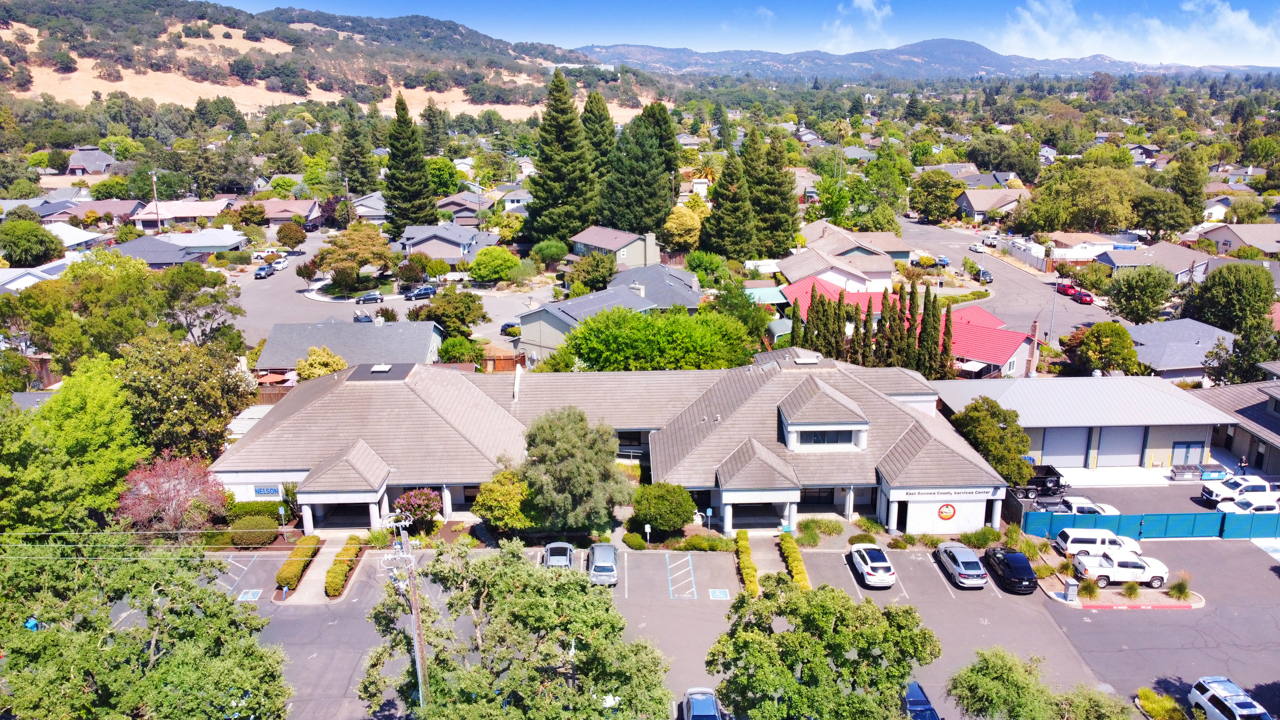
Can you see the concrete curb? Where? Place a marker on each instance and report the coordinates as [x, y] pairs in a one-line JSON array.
[[351, 579], [312, 293], [1034, 273], [1195, 604]]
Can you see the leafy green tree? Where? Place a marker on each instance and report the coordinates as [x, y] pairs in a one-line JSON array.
[[1140, 294], [347, 252], [443, 177], [500, 500], [797, 653], [1247, 211], [27, 244], [681, 230], [355, 155], [594, 271], [1000, 686], [663, 506], [572, 472], [291, 235], [1257, 342], [461, 350], [622, 339], [1002, 153], [995, 433], [408, 191], [547, 641], [732, 300], [1107, 346], [1162, 214], [934, 195], [435, 128], [1187, 176], [455, 312], [564, 164], [192, 650], [201, 303], [731, 228], [1232, 295], [113, 188], [182, 396], [549, 251], [493, 263], [636, 194], [320, 361]]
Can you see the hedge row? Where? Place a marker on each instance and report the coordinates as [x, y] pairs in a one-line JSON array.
[[747, 566], [795, 563], [336, 579], [254, 531], [258, 508], [634, 541], [291, 572]]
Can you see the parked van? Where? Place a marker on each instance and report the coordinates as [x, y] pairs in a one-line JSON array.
[[1091, 541]]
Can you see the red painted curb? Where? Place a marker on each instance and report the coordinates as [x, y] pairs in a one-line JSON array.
[[1187, 606]]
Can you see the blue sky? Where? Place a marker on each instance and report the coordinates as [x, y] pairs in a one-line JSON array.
[[1194, 32]]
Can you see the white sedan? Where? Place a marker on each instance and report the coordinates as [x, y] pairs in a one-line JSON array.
[[871, 564], [977, 248]]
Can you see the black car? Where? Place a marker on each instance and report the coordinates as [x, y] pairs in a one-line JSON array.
[[1012, 570], [986, 276], [426, 292], [508, 326]]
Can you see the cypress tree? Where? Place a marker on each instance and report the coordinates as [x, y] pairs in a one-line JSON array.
[[731, 228], [355, 156], [912, 329], [720, 118], [408, 192], [796, 324], [854, 353], [635, 196], [868, 338], [557, 210], [803, 340], [856, 105], [659, 118], [774, 201], [597, 126], [836, 340], [946, 363], [927, 354], [435, 128]]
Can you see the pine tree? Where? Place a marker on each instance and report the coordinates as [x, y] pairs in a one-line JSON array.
[[355, 156], [597, 126], [773, 198], [435, 128], [408, 191], [752, 153], [563, 180], [856, 105], [946, 363], [659, 118], [731, 228], [635, 196]]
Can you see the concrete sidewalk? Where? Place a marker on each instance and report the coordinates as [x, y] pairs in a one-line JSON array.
[[765, 554], [311, 590]]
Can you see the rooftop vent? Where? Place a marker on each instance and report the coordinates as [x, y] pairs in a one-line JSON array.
[[808, 360], [380, 369]]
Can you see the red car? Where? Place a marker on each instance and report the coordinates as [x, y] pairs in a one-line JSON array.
[[1067, 289], [1083, 298]]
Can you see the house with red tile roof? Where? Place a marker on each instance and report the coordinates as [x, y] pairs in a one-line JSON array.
[[983, 349], [800, 294]]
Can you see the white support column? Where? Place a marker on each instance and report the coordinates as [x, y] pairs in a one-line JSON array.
[[726, 514], [791, 518], [386, 505], [446, 502], [308, 527], [375, 520], [893, 517], [318, 509]]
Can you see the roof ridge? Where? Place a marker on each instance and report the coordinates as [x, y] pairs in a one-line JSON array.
[[448, 421]]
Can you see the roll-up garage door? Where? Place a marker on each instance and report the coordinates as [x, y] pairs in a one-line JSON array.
[[1065, 447], [1120, 447]]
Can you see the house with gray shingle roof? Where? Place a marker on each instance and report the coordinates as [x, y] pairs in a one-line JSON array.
[[662, 285], [1176, 349], [630, 249], [89, 160], [447, 241], [544, 328], [754, 443], [356, 343]]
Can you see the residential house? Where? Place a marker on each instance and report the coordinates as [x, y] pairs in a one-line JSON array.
[[157, 253], [1254, 433], [1215, 208], [357, 343], [465, 166], [465, 206], [169, 212], [1264, 237], [1142, 154], [978, 204], [544, 328], [1215, 188], [754, 443], [515, 201], [835, 240], [280, 212], [1092, 422], [1047, 155], [371, 208], [447, 241], [630, 249], [984, 348], [687, 141], [852, 273], [525, 167], [858, 154], [1245, 174], [121, 211], [955, 170], [73, 194], [1187, 265], [208, 240], [73, 238], [33, 203], [49, 210], [89, 160], [1176, 349], [666, 287], [810, 138], [806, 184], [15, 280], [261, 184]]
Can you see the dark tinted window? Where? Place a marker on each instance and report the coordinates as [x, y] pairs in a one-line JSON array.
[[1201, 688], [1086, 541], [876, 556], [826, 437], [1222, 707]]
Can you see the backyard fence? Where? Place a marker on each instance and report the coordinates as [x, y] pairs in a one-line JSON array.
[[1158, 525]]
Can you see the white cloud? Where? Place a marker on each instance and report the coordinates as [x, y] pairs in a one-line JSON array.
[[841, 36], [765, 14], [1199, 32]]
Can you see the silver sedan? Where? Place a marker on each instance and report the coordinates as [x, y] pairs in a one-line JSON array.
[[962, 564]]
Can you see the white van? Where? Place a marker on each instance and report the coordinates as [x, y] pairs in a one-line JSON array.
[[1091, 541]]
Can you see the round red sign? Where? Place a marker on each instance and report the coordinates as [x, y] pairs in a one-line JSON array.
[[946, 512]]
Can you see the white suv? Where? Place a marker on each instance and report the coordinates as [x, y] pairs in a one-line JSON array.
[[1221, 699], [1254, 488]]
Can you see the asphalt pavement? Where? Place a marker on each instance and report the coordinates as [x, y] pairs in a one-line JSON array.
[[1018, 296]]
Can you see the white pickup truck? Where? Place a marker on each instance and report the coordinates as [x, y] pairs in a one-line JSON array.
[[1242, 486], [1120, 566]]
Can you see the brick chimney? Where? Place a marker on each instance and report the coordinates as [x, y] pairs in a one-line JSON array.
[[1035, 349]]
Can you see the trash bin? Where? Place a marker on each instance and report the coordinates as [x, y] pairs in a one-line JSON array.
[[1073, 589]]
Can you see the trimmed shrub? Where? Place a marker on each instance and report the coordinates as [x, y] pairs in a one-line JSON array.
[[1180, 589], [1160, 707], [795, 563], [980, 539], [868, 525], [1088, 589], [291, 572], [707, 543], [861, 538], [747, 566], [1130, 590], [336, 577], [665, 507], [898, 544], [633, 541], [1043, 571], [258, 508], [930, 541], [254, 531]]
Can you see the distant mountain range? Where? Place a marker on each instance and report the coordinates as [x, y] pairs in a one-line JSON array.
[[925, 59]]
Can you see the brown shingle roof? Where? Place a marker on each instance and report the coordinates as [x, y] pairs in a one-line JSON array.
[[1248, 403], [604, 238]]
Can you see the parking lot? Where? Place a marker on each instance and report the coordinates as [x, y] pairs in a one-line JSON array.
[[1176, 498]]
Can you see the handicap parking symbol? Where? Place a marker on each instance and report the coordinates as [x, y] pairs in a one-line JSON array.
[[720, 595], [249, 595]]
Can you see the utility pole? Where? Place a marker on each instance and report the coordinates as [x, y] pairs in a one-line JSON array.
[[155, 201], [403, 562]]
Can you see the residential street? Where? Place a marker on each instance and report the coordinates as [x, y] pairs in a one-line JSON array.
[[1017, 296]]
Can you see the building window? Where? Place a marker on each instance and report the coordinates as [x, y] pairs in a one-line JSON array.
[[629, 438], [810, 496], [622, 253], [1260, 457], [826, 437]]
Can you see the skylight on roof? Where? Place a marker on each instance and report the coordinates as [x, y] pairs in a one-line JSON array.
[[380, 369]]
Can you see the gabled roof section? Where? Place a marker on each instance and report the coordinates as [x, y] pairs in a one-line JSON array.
[[605, 238], [929, 453], [815, 402], [752, 466], [355, 467]]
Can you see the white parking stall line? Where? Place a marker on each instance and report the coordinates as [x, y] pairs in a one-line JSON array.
[[992, 584], [680, 586], [942, 576], [626, 576]]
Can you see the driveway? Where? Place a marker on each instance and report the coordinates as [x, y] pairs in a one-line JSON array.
[[1017, 296], [1175, 498]]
